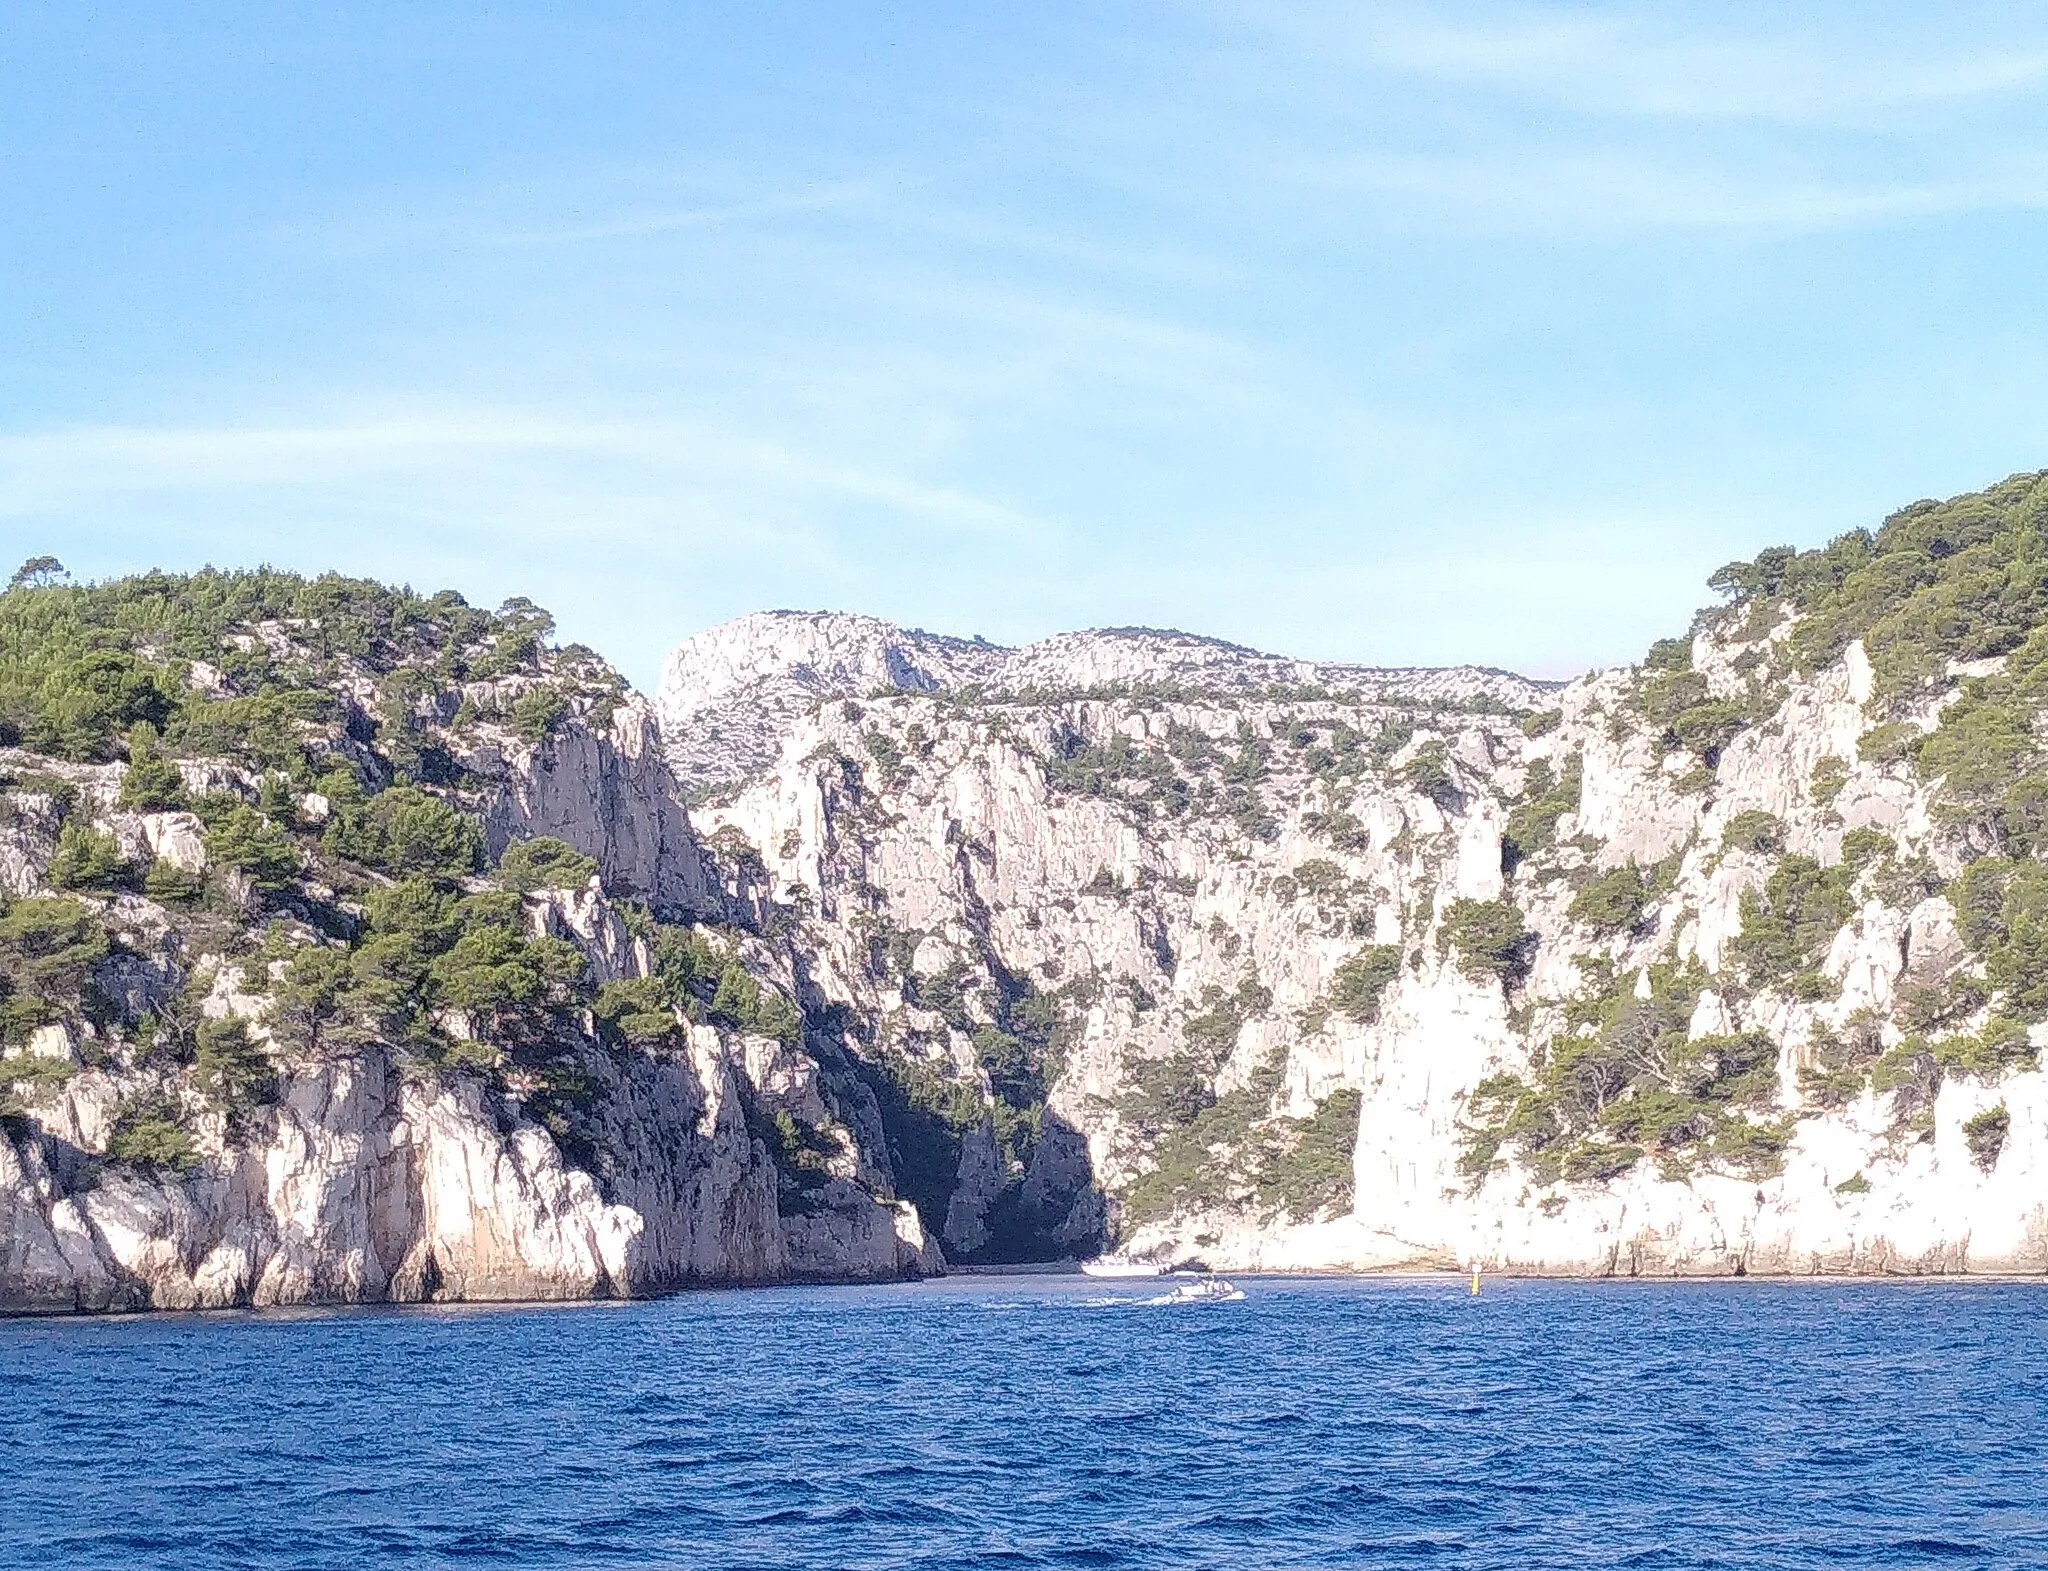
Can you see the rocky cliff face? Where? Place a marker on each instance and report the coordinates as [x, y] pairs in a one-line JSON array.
[[236, 1071], [354, 947], [606, 790], [361, 1185], [1712, 965]]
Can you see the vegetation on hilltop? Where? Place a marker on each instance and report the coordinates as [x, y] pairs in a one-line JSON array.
[[250, 665], [1960, 580], [348, 884]]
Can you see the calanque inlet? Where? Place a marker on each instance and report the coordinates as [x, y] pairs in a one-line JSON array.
[[361, 946]]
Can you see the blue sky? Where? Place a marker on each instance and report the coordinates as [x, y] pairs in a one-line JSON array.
[[1393, 333]]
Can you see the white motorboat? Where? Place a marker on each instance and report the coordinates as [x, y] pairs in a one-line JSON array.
[[1203, 1290], [1111, 1265]]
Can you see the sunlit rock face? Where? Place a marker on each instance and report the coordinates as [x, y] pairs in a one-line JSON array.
[[1220, 909], [364, 1185]]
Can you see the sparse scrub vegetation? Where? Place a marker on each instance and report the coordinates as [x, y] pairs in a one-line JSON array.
[[1787, 929], [1626, 1081], [1428, 773], [49, 950], [1985, 1135], [538, 713], [1755, 831], [1829, 776], [1234, 1152], [544, 862], [1677, 702], [1358, 984], [88, 859], [149, 1133]]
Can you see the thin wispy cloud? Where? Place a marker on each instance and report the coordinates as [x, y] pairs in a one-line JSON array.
[[45, 471], [1584, 194], [1667, 63], [601, 210], [640, 225], [1591, 124]]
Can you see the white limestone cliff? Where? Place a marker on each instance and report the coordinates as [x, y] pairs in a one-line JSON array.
[[1076, 931], [365, 1184], [935, 821]]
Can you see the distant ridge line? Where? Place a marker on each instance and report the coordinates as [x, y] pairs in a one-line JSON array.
[[730, 694]]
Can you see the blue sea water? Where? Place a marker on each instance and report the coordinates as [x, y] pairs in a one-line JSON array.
[[1032, 1421]]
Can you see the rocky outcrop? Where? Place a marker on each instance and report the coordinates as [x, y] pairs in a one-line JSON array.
[[366, 1173], [367, 1182], [606, 790]]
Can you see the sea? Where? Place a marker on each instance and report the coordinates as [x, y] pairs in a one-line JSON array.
[[1027, 1421]]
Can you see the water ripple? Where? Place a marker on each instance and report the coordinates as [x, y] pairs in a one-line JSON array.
[[1041, 1423]]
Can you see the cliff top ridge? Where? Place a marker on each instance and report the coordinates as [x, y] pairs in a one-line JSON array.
[[729, 694]]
